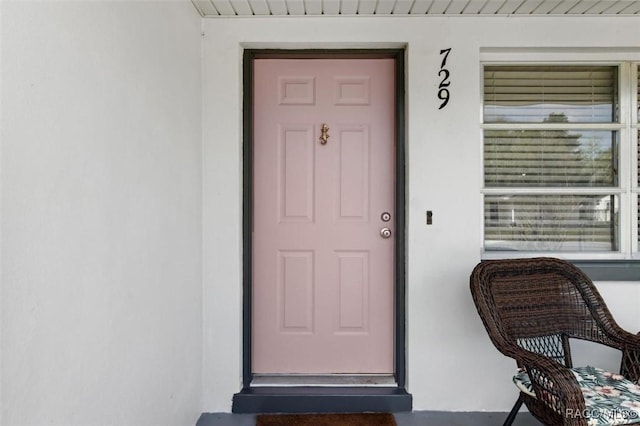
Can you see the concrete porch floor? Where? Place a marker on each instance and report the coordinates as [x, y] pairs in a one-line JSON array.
[[415, 418]]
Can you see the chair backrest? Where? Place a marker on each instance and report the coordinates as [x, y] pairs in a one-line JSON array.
[[538, 304]]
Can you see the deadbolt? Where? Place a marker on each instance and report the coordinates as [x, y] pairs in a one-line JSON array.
[[385, 232], [385, 217]]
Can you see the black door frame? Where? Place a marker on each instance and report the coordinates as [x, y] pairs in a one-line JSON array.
[[246, 401]]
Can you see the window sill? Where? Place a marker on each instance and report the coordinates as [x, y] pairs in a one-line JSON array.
[[598, 269], [610, 270]]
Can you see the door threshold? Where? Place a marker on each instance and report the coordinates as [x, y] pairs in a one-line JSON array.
[[321, 380], [322, 399]]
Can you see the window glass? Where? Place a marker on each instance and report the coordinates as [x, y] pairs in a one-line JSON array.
[[549, 158], [551, 135], [558, 223], [576, 94]]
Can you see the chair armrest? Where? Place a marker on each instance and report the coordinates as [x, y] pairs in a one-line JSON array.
[[554, 384], [629, 345], [630, 364]]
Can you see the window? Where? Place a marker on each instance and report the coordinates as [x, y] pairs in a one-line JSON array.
[[560, 147]]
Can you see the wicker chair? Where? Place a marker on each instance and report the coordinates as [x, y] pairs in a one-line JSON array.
[[531, 308]]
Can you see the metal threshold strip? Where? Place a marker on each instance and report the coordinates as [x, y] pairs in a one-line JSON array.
[[320, 380]]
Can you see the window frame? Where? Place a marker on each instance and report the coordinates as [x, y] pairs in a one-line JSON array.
[[634, 138], [623, 264]]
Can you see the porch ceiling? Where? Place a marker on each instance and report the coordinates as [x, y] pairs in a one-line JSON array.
[[241, 8]]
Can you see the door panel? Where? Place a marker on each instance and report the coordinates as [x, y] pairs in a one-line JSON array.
[[322, 274], [296, 168], [353, 302], [354, 172]]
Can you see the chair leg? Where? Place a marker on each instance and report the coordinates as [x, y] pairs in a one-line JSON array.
[[514, 412]]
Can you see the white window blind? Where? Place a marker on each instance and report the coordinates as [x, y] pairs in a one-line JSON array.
[[549, 158], [551, 139], [576, 94]]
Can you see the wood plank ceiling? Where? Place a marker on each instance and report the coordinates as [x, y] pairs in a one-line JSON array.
[[231, 8]]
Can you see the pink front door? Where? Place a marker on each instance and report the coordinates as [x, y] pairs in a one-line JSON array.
[[322, 272]]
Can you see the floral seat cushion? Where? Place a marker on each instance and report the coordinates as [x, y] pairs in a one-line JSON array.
[[610, 399]]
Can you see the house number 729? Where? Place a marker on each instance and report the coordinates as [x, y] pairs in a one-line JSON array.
[[443, 92]]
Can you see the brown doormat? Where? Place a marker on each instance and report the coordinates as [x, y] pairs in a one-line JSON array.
[[360, 419]]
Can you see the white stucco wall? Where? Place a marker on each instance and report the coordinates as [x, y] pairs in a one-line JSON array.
[[446, 341], [101, 213]]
